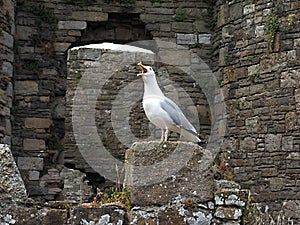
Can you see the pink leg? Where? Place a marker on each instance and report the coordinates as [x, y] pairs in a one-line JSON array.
[[162, 135], [166, 134]]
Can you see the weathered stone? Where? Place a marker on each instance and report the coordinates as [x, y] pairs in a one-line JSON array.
[[6, 39], [175, 57], [248, 144], [273, 142], [12, 187], [228, 213], [204, 39], [76, 187], [72, 25], [97, 215], [30, 163], [33, 144], [190, 178], [37, 123], [89, 16], [186, 39], [185, 27], [291, 121], [33, 175], [61, 46], [7, 68], [26, 87], [249, 9]]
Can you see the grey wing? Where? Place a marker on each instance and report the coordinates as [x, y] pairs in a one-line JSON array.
[[177, 115]]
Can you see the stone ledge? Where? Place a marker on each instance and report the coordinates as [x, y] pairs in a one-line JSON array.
[[157, 173]]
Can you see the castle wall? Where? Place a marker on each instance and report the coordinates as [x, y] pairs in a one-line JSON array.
[[7, 34], [258, 71], [258, 48], [45, 31]]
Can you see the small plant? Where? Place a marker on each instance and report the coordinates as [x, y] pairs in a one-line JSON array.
[[78, 75], [120, 196], [271, 26], [252, 76], [256, 214], [249, 57], [222, 169], [180, 17]]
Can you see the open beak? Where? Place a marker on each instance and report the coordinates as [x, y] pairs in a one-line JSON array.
[[144, 70]]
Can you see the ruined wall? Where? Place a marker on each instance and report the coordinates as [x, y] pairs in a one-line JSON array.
[[44, 32], [7, 33], [258, 70], [259, 50]]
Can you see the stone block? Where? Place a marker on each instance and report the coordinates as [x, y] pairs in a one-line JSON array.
[[71, 25], [89, 16], [184, 27], [228, 213], [291, 121], [236, 11], [61, 46], [7, 39], [97, 215], [186, 39], [55, 216], [248, 143], [37, 123], [157, 173], [273, 142], [259, 31], [33, 175], [33, 144], [26, 87], [7, 68], [249, 9], [204, 39], [175, 57], [30, 163]]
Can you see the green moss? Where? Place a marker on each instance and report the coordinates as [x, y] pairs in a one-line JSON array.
[[271, 26], [180, 17]]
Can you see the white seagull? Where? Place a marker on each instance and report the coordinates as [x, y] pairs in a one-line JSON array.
[[162, 111]]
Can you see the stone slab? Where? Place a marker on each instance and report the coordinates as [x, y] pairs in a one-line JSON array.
[[37, 123], [30, 163], [71, 25], [186, 39], [156, 173], [89, 16]]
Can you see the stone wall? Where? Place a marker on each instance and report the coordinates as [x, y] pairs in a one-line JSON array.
[[258, 71], [7, 58], [44, 32], [260, 78]]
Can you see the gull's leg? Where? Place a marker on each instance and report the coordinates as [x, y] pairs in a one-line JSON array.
[[162, 135], [166, 134]]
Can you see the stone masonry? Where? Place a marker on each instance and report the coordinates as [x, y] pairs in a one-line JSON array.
[[260, 79], [251, 46]]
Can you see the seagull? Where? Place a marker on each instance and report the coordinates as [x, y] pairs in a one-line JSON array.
[[162, 111]]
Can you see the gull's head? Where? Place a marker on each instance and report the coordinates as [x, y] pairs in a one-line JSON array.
[[147, 71]]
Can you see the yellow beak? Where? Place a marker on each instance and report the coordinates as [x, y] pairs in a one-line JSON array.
[[144, 70]]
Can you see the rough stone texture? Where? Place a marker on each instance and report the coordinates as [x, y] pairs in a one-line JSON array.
[[261, 82], [7, 33], [188, 173], [12, 187], [76, 186]]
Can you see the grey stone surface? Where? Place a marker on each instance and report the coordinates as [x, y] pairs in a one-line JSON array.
[[71, 25], [12, 187], [156, 173]]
